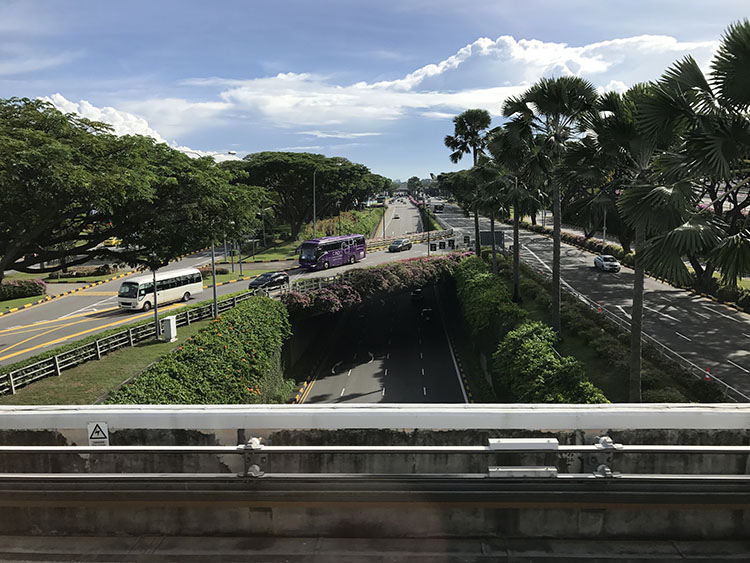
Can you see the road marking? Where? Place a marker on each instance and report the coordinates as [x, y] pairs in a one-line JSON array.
[[342, 391], [383, 393], [306, 394], [420, 341], [348, 374], [422, 371], [623, 311], [738, 366], [723, 315], [371, 357], [88, 307], [64, 338], [388, 356], [745, 334], [701, 315], [386, 371], [683, 336], [37, 323], [421, 357], [333, 369], [660, 313], [424, 391]]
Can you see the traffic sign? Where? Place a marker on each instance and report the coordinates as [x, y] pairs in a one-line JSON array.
[[98, 434]]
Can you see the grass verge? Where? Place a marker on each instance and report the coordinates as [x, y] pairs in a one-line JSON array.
[[20, 302], [85, 384]]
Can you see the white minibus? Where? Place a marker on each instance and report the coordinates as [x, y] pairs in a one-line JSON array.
[[138, 293]]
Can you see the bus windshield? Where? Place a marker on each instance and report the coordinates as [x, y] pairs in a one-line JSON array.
[[308, 251], [128, 289]]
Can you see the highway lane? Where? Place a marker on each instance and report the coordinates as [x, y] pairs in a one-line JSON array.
[[711, 335], [388, 352]]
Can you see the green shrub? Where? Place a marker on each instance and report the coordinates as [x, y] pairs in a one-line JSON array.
[[664, 395], [235, 360], [526, 363], [16, 289]]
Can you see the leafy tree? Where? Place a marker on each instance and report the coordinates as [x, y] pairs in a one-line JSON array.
[[414, 185], [289, 176], [64, 183], [469, 136], [551, 109]]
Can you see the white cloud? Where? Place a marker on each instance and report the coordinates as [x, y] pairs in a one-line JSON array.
[[17, 58], [337, 134], [300, 148], [176, 116]]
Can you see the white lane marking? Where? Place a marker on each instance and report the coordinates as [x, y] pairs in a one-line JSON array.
[[388, 356], [89, 306], [371, 357], [542, 262], [422, 371], [737, 366], [333, 369], [746, 334], [723, 315], [424, 391], [342, 391], [421, 357], [701, 315], [623, 311], [348, 374], [383, 393], [386, 371], [683, 336], [660, 313], [420, 340]]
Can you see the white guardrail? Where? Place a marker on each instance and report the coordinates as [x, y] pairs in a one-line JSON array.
[[730, 392], [13, 380]]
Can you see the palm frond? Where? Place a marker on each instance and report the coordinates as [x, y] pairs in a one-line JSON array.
[[732, 256], [731, 66]]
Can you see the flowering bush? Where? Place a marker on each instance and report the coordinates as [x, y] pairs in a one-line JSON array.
[[235, 360], [16, 289]]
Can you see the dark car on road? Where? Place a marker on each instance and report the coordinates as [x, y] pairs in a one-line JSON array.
[[269, 280], [399, 245]]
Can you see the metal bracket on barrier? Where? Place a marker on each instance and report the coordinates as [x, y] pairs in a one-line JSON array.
[[606, 443], [255, 459], [604, 472]]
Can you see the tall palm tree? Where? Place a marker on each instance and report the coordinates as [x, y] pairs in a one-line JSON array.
[[551, 109], [492, 185], [526, 164], [469, 136]]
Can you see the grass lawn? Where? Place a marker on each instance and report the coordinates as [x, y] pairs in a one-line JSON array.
[[84, 384], [88, 279], [24, 276], [280, 252], [20, 302]]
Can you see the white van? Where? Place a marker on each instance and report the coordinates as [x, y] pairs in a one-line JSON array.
[[138, 293]]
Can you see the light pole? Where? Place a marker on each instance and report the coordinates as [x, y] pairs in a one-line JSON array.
[[338, 208]]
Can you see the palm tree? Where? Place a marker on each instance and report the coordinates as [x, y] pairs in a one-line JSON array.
[[551, 109], [523, 159], [492, 185], [469, 136]]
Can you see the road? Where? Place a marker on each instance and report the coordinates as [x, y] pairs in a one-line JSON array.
[[711, 335], [66, 319], [387, 352]]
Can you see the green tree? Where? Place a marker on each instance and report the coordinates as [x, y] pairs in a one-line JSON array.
[[469, 137], [65, 182], [551, 109], [414, 185]]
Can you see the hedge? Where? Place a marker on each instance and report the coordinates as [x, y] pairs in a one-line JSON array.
[[526, 363], [352, 222], [364, 283], [235, 360], [16, 289]]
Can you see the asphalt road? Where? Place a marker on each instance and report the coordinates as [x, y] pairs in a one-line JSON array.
[[712, 336], [65, 319], [387, 352]]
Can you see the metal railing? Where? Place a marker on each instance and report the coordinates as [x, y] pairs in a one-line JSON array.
[[596, 460], [730, 392]]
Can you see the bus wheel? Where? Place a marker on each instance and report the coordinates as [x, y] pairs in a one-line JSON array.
[[351, 259], [326, 265], [147, 306], [186, 297]]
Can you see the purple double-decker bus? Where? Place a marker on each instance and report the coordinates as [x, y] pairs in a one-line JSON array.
[[327, 252]]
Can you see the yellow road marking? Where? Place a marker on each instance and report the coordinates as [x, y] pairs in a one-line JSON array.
[[89, 292], [306, 394], [64, 338], [32, 325]]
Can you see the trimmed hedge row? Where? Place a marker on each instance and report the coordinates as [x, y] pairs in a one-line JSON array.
[[352, 222], [725, 294], [17, 289], [525, 363], [235, 360]]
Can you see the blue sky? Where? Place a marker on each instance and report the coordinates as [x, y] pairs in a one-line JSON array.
[[375, 82]]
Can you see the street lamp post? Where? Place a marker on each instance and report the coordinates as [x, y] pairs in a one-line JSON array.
[[213, 274], [314, 221], [338, 208]]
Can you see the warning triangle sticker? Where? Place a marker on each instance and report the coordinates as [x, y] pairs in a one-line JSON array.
[[97, 433]]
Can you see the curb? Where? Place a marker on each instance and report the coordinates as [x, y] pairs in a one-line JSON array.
[[462, 371], [51, 297]]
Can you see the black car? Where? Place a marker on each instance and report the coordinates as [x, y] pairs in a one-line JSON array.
[[269, 280], [399, 245]]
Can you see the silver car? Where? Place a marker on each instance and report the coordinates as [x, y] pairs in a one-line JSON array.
[[606, 263]]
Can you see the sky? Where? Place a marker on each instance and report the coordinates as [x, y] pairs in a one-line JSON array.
[[377, 82]]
